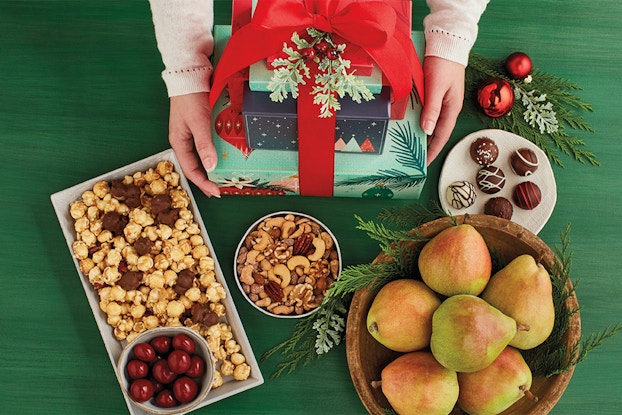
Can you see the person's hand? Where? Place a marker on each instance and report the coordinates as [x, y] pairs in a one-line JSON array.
[[190, 136], [444, 96]]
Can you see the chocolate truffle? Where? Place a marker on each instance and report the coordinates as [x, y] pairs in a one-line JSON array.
[[484, 151], [499, 207], [490, 179], [524, 162], [527, 195], [460, 194]]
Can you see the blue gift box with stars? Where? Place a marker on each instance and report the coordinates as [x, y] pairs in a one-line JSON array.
[[361, 127]]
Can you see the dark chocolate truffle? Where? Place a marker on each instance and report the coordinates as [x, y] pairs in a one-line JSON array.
[[524, 161], [460, 194], [490, 179], [484, 151], [527, 195], [499, 207]]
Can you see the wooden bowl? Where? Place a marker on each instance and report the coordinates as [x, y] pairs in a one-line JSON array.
[[366, 357]]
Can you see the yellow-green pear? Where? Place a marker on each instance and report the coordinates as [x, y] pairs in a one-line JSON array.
[[468, 333], [523, 291], [400, 317], [456, 261], [495, 388], [416, 384]]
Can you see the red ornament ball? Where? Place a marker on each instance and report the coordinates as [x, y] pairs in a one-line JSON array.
[[518, 65], [496, 97]]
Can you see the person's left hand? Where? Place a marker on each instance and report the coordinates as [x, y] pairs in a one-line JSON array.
[[444, 96], [190, 136]]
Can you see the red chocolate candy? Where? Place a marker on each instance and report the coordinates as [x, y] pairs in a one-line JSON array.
[[527, 195]]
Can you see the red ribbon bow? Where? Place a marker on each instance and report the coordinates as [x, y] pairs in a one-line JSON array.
[[367, 23]]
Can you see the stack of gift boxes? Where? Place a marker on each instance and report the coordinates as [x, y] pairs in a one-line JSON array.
[[379, 150]]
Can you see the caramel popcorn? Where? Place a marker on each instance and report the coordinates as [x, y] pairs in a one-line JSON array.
[[135, 237]]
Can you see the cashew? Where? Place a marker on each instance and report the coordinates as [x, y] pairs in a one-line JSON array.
[[283, 309], [246, 276], [328, 240], [263, 242], [273, 277], [251, 257], [287, 228], [298, 261], [303, 228], [275, 222], [320, 247], [264, 302], [282, 271]]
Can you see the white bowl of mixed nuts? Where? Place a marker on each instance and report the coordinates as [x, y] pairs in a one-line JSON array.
[[285, 263]]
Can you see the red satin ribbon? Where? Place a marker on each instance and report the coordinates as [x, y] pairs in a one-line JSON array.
[[367, 23]]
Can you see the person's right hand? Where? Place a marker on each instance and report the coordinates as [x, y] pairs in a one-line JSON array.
[[190, 136]]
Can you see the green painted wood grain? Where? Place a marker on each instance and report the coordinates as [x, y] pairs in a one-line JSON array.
[[81, 94]]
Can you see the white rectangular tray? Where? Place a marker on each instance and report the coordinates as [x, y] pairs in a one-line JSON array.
[[61, 201]]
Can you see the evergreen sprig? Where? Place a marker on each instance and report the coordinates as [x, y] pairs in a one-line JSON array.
[[555, 356], [333, 81], [413, 215], [543, 108]]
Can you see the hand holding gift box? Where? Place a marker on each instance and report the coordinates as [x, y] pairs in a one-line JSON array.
[[451, 29]]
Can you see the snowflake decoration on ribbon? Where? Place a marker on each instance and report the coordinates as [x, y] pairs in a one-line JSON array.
[[333, 80]]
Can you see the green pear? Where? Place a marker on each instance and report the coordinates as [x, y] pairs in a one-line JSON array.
[[468, 333], [416, 384], [456, 261], [495, 388], [523, 291], [400, 316]]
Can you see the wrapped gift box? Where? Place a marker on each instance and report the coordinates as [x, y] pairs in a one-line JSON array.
[[269, 125], [399, 172]]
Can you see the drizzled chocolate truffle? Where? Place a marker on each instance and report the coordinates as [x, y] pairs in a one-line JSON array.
[[484, 151], [524, 161], [499, 207], [460, 194], [527, 195], [490, 179]]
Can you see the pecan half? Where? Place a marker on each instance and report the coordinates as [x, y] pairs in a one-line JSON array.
[[274, 291], [302, 244]]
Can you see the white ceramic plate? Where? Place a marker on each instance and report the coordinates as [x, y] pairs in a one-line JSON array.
[[61, 201], [460, 166]]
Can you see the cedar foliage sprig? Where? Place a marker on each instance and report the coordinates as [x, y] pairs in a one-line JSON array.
[[542, 110], [555, 356]]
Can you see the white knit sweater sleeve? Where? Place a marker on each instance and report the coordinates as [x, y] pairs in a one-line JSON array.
[[183, 30], [451, 28]]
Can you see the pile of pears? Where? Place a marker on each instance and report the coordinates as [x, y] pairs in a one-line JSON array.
[[461, 328]]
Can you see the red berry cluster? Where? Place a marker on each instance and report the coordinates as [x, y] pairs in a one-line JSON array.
[[321, 49], [165, 369]]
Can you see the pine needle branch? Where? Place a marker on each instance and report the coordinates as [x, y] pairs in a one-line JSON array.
[[543, 110]]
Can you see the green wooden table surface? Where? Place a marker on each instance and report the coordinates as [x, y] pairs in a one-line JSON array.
[[81, 94]]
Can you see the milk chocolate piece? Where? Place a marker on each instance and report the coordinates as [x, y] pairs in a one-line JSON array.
[[527, 195], [524, 162], [160, 203], [143, 246], [484, 151], [130, 280], [500, 207], [490, 179], [114, 222]]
